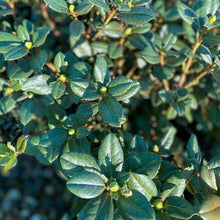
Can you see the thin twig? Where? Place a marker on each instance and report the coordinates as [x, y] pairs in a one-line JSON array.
[[162, 63], [201, 75], [107, 20]]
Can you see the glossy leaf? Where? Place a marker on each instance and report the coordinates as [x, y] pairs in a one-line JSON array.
[[179, 208], [114, 50], [73, 162], [98, 208], [58, 89], [144, 163], [111, 156], [38, 60], [210, 207], [40, 36], [54, 137], [59, 6], [111, 111], [113, 29], [86, 185], [135, 207], [100, 3], [137, 15], [76, 28], [101, 73], [142, 184], [26, 111], [138, 144], [187, 14], [123, 88], [37, 84]]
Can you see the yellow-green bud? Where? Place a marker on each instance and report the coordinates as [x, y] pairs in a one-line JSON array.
[[212, 19], [156, 148], [62, 78], [127, 193], [158, 204], [114, 187], [71, 8], [71, 131], [103, 90], [130, 4], [30, 95], [9, 90], [28, 45], [128, 31]]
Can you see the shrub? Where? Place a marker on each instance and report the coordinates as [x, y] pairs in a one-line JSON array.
[[109, 91]]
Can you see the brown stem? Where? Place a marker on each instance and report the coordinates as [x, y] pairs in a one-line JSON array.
[[107, 20], [162, 63], [131, 71], [189, 63], [201, 75]]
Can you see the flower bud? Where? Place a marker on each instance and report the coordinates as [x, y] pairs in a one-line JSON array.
[[9, 90], [71, 131], [62, 78], [128, 31], [158, 204], [114, 187], [28, 45], [71, 8], [212, 19], [103, 90]]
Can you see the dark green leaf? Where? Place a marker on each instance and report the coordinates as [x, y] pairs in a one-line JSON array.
[[204, 53], [38, 60], [113, 29], [162, 73], [7, 103], [58, 89], [23, 34], [76, 28], [142, 184], [21, 144], [193, 150], [179, 208], [135, 207], [40, 36], [210, 207], [21, 70], [150, 55], [100, 208], [37, 84], [137, 15], [100, 3], [16, 52], [73, 162], [144, 163], [26, 111], [111, 156], [138, 144], [111, 111], [83, 88], [179, 107], [101, 73], [187, 14], [114, 50], [123, 88], [165, 96], [59, 6], [86, 185], [175, 184], [54, 137]]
